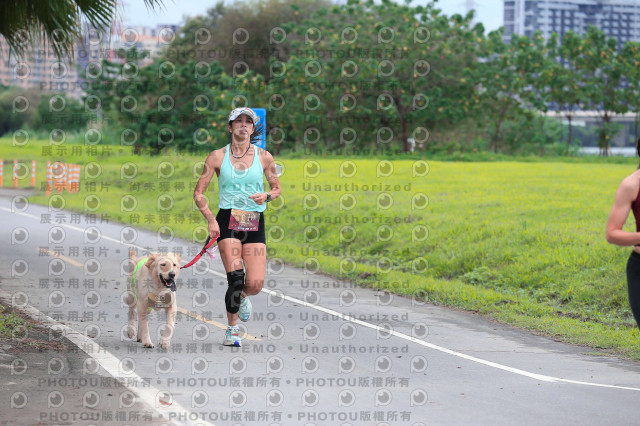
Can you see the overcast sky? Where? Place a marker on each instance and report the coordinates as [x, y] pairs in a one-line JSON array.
[[489, 12]]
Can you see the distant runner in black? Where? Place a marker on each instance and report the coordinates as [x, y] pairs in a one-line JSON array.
[[628, 199]]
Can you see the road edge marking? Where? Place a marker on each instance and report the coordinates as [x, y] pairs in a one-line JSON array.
[[106, 360], [535, 376]]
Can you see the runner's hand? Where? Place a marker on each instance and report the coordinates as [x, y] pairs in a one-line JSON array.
[[259, 198], [213, 228]]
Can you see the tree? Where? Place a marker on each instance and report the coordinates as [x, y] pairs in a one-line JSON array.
[[162, 105], [503, 80], [242, 36], [532, 62], [17, 108], [362, 72], [630, 57], [602, 75], [26, 23], [564, 77], [56, 111]]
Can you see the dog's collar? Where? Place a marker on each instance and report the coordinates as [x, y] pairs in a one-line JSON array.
[[154, 303]]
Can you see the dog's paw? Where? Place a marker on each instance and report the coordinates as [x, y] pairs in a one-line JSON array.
[[148, 345], [131, 332], [165, 344]]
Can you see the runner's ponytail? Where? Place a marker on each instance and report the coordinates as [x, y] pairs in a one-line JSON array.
[[257, 133]]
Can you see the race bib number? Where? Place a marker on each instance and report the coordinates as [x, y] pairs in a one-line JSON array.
[[242, 220]]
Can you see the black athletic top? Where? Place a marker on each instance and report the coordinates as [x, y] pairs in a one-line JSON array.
[[635, 208]]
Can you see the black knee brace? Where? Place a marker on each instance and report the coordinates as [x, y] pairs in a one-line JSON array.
[[236, 284]]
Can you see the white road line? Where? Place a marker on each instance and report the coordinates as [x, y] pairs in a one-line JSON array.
[[440, 348], [412, 339], [105, 359], [75, 228]]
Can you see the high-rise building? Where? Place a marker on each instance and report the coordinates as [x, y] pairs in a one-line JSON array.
[[618, 18], [40, 68]]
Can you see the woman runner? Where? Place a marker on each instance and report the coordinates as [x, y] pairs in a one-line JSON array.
[[240, 167], [628, 199]]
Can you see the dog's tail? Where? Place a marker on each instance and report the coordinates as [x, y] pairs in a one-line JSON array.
[[132, 264], [131, 298], [132, 254]]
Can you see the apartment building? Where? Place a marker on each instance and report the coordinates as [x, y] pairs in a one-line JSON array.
[[41, 69], [619, 19]]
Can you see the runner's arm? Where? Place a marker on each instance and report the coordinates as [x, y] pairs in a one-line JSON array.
[[272, 177], [625, 195], [201, 187]]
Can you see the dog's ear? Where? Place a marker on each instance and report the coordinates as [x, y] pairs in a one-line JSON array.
[[178, 258], [149, 263]]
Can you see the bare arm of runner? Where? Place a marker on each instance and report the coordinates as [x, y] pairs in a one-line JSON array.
[[272, 179], [198, 194], [625, 195]]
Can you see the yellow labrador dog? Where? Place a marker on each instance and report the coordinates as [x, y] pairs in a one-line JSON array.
[[152, 285]]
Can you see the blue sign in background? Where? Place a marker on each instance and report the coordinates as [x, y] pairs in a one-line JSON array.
[[262, 113]]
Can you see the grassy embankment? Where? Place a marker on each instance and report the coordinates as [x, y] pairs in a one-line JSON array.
[[521, 242]]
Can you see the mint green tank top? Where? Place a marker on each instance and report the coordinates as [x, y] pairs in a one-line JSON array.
[[237, 185]]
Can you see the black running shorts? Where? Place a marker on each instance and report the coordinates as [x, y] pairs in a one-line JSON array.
[[245, 237]]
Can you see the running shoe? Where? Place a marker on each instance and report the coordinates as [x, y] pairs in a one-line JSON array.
[[232, 337], [245, 310]]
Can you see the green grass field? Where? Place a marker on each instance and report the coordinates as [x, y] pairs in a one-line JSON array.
[[521, 242]]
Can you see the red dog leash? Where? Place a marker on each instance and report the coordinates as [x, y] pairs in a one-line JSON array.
[[204, 250]]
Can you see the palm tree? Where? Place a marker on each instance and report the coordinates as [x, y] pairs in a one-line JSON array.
[[23, 23]]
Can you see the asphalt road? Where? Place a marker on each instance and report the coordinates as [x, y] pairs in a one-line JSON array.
[[317, 351]]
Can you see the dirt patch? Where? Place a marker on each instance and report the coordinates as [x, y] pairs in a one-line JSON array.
[[29, 335]]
